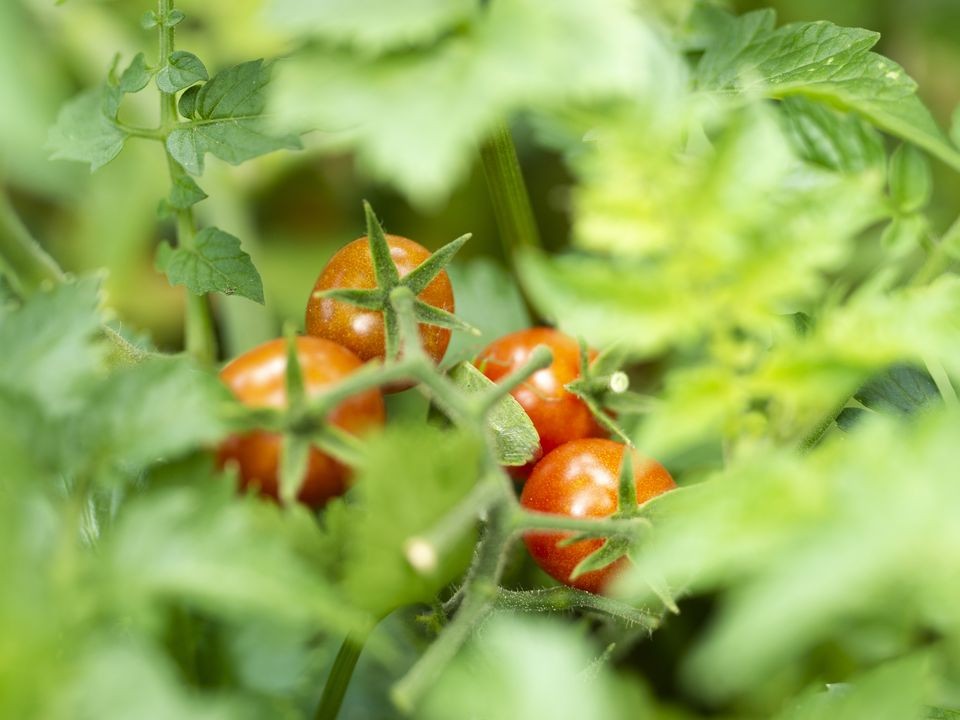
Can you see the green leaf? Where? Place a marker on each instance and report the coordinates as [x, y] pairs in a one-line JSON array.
[[128, 677], [826, 63], [173, 18], [185, 192], [439, 468], [835, 140], [231, 558], [424, 143], [515, 438], [148, 20], [127, 416], [84, 133], [911, 181], [903, 389], [50, 346], [228, 120], [804, 548], [894, 689], [182, 70], [187, 103], [367, 25], [136, 76], [215, 263], [534, 667]]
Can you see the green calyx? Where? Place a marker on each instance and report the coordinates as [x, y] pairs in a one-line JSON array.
[[390, 286]]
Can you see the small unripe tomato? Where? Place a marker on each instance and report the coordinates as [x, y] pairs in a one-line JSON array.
[[362, 331], [258, 378], [581, 479], [558, 415]]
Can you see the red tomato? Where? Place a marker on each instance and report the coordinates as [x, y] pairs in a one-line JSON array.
[[558, 415], [581, 479], [362, 330], [258, 379]]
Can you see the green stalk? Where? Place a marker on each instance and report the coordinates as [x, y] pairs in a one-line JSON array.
[[200, 339], [508, 193], [30, 265], [339, 678]]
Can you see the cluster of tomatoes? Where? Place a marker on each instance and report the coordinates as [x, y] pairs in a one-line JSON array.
[[576, 473]]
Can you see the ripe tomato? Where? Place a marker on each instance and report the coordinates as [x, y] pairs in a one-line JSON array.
[[558, 415], [258, 378], [362, 330], [581, 479]]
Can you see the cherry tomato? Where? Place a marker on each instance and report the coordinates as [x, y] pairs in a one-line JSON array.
[[581, 479], [362, 330], [258, 378], [558, 415]]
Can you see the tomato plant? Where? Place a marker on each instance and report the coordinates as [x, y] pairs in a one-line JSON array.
[[749, 219], [258, 378], [363, 330], [558, 415], [580, 479]]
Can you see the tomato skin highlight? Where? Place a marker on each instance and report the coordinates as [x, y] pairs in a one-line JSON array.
[[581, 479], [558, 415], [258, 378], [362, 331]]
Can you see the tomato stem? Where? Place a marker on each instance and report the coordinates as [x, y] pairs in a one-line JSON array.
[[30, 267], [480, 592], [339, 679], [200, 339], [562, 598], [508, 193]]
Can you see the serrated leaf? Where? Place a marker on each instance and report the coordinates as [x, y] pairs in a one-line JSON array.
[[911, 180], [826, 63], [84, 133], [136, 76], [515, 437], [50, 348], [185, 192], [127, 416], [215, 263], [182, 70], [229, 121]]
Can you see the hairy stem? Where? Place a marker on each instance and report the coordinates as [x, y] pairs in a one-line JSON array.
[[479, 595], [29, 264], [200, 338], [563, 599]]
